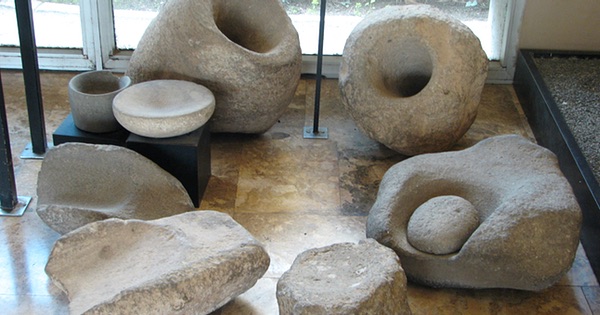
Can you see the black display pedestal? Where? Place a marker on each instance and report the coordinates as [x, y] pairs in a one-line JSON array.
[[67, 132], [186, 157]]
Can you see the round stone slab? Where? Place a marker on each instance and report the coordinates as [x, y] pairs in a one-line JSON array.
[[164, 108], [346, 278]]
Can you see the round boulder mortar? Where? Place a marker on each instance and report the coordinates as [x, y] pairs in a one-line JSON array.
[[246, 52], [411, 78]]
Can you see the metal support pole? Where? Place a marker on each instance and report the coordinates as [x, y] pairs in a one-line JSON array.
[[10, 203], [316, 132], [31, 75], [8, 189]]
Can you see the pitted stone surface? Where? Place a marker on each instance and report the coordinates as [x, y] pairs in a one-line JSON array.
[[192, 263], [411, 77], [246, 52], [345, 278], [82, 183], [442, 224], [529, 217]]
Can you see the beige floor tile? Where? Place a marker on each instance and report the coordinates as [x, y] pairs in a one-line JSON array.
[[34, 305], [288, 175], [581, 273], [26, 244], [287, 235], [553, 301], [259, 300]]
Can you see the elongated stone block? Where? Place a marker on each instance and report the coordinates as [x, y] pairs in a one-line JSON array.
[[192, 263]]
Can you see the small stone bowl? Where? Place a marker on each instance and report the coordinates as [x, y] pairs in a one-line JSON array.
[[91, 95], [164, 108]]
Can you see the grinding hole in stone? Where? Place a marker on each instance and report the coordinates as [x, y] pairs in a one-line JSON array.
[[239, 24], [406, 68]]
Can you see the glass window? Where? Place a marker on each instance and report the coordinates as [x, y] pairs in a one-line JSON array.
[[343, 15], [132, 18], [57, 24], [104, 33]]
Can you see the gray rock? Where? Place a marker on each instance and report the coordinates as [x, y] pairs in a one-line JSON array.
[[82, 183], [191, 263], [411, 78], [246, 52], [346, 278], [530, 219], [441, 225]]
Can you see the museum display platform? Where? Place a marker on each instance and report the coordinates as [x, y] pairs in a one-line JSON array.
[[553, 132]]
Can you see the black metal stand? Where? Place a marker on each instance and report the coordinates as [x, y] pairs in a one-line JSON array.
[[10, 203], [31, 74], [315, 132], [552, 132]]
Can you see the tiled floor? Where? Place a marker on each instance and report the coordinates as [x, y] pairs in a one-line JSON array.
[[291, 193]]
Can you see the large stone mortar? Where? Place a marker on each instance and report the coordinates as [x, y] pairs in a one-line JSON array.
[[529, 226], [246, 52], [411, 77]]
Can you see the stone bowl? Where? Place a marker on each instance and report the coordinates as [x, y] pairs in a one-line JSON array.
[[164, 108], [90, 96]]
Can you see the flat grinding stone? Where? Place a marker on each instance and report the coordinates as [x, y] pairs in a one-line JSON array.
[[192, 263]]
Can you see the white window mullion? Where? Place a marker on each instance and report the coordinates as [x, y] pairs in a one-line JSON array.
[[98, 31], [505, 16]]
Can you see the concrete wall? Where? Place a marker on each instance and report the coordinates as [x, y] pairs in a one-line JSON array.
[[561, 25]]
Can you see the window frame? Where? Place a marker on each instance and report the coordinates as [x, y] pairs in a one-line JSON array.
[[100, 51]]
